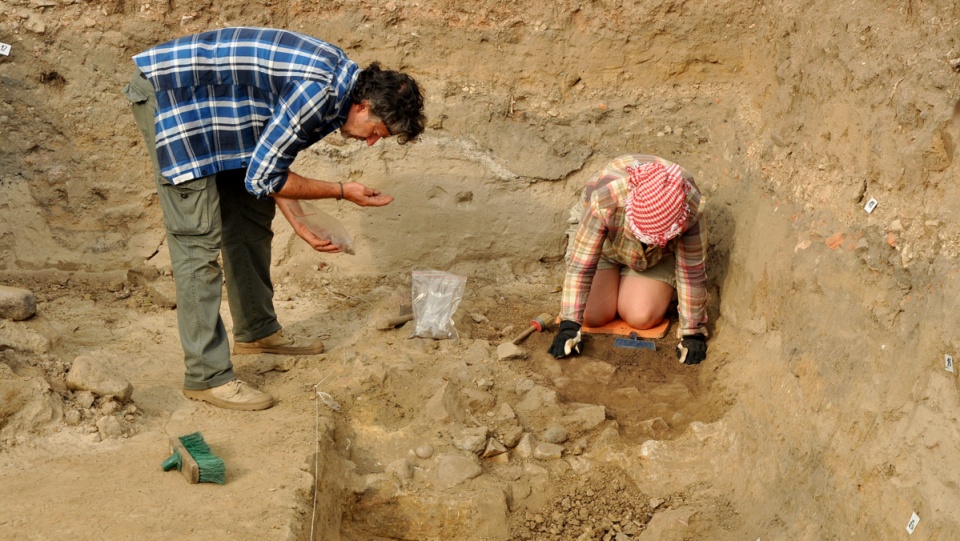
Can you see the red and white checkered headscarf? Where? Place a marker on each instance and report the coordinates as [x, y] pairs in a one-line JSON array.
[[657, 205]]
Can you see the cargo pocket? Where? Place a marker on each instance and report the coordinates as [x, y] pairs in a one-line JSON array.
[[186, 207], [135, 94], [139, 90], [143, 103]]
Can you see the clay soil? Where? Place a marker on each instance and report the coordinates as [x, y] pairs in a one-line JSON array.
[[823, 411]]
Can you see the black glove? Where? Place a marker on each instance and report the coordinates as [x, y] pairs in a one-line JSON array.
[[692, 349], [567, 340]]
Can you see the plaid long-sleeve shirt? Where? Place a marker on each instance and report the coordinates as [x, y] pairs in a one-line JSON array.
[[603, 232], [248, 98]]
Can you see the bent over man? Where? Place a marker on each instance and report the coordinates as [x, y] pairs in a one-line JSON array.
[[224, 114]]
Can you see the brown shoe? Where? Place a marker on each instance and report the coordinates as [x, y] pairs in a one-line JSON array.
[[281, 344], [232, 395]]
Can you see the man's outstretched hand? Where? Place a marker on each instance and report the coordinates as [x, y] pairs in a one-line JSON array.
[[364, 196], [300, 187], [318, 244]]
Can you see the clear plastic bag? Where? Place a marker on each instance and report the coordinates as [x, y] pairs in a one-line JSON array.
[[436, 296], [325, 226]]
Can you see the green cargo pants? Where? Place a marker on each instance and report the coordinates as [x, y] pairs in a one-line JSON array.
[[204, 218]]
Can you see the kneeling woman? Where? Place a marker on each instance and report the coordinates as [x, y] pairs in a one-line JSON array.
[[637, 237]]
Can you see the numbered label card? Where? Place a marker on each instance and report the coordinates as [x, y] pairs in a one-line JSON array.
[[4, 49], [871, 204], [912, 525], [948, 362]]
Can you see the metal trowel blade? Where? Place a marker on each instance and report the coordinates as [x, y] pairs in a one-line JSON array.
[[631, 343]]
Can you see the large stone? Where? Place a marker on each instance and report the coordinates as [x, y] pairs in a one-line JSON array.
[[555, 434], [525, 447], [453, 470], [27, 404], [88, 374], [510, 433], [84, 399], [445, 406], [17, 303], [476, 399], [494, 448], [525, 385], [401, 469], [595, 371], [509, 351], [537, 398], [163, 293], [583, 466], [499, 460], [586, 417], [654, 427], [548, 451], [477, 353], [472, 439], [652, 449], [109, 427], [608, 440], [22, 337], [668, 525], [504, 413]]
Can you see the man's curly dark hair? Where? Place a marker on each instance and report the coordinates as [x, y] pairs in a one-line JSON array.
[[394, 98]]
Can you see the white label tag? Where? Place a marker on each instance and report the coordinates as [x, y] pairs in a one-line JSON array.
[[948, 363], [180, 179], [4, 49], [871, 204], [912, 525]]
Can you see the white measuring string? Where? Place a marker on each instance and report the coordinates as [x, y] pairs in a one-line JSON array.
[[316, 458]]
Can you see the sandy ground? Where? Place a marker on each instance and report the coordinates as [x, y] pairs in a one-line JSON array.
[[385, 385], [824, 410]]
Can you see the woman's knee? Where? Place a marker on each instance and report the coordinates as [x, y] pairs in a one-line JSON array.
[[644, 301], [643, 318], [597, 317]]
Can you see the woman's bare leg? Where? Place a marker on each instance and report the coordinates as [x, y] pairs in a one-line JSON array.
[[642, 302], [602, 302]]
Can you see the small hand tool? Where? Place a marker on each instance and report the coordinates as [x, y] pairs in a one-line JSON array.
[[391, 322], [538, 324], [634, 343], [193, 458], [387, 323]]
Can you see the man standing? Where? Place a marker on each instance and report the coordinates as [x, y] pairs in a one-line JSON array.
[[224, 114]]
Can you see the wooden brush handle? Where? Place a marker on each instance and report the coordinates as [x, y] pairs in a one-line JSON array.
[[522, 336], [391, 322]]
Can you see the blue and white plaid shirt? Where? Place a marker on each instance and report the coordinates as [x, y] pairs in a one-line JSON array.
[[240, 98]]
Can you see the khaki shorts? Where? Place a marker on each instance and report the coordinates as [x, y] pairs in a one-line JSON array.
[[664, 270]]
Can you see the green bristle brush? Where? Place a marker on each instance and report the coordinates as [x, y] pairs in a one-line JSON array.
[[193, 457]]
